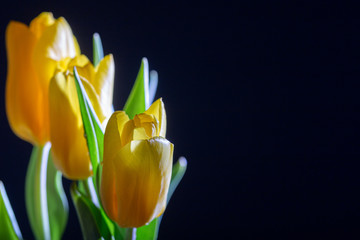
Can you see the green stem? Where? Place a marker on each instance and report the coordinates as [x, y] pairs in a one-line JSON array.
[[130, 234]]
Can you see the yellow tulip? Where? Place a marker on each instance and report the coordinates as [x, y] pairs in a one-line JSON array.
[[69, 149], [137, 167], [34, 53]]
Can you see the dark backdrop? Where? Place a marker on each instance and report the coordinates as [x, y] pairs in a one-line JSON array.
[[262, 99]]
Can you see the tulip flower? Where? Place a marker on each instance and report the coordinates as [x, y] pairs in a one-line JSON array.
[[34, 53], [69, 149], [137, 166]]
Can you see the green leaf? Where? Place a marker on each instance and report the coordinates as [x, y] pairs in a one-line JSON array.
[[98, 52], [153, 83], [46, 202], [119, 232], [35, 192], [58, 207], [178, 173], [95, 141], [93, 131], [138, 100], [150, 231], [93, 222], [9, 228]]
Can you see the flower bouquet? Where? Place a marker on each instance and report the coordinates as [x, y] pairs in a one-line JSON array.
[[120, 162]]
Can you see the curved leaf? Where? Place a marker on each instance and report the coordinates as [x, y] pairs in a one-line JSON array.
[[35, 192], [46, 202], [92, 127], [58, 207], [9, 228], [178, 173], [93, 223]]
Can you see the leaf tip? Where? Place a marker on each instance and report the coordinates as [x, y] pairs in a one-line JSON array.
[[96, 35], [183, 162], [144, 61]]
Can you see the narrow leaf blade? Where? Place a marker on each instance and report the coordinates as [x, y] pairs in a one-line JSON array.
[[98, 52], [92, 127], [138, 100], [87, 122], [178, 173], [9, 228], [153, 83]]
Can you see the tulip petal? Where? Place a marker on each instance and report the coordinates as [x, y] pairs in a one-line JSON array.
[[112, 139], [41, 22], [70, 153], [26, 107], [141, 177], [104, 83], [158, 110], [98, 83], [94, 99], [55, 44], [83, 67], [109, 197], [150, 231], [76, 45], [149, 123]]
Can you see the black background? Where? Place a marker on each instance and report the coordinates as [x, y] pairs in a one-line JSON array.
[[262, 99]]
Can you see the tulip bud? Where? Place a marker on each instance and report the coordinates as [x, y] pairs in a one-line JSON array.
[[137, 166], [33, 54], [69, 148]]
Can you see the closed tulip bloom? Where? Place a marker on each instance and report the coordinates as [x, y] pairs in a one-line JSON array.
[[69, 148], [137, 166], [33, 54]]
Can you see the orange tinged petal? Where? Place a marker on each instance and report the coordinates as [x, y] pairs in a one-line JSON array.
[[26, 102], [41, 22], [34, 53]]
